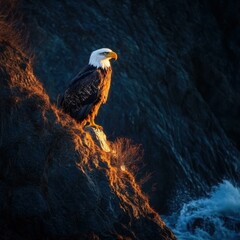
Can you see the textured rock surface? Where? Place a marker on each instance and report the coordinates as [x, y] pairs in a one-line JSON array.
[[99, 138], [175, 87], [55, 182]]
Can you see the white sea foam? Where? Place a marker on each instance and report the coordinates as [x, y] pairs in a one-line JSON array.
[[214, 217]]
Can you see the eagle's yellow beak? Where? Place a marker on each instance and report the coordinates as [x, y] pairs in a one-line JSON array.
[[112, 55]]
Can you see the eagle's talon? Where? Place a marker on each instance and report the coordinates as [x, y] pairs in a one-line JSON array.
[[96, 126]]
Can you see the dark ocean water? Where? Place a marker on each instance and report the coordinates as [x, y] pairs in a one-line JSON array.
[[215, 216]]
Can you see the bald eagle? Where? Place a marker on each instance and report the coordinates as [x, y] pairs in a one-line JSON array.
[[89, 89]]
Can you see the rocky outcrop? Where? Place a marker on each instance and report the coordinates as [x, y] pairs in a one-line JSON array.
[[99, 138], [175, 88], [55, 182]]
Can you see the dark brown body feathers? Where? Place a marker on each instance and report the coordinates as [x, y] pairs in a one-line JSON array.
[[86, 93]]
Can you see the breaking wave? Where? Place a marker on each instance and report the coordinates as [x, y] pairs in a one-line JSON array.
[[214, 217]]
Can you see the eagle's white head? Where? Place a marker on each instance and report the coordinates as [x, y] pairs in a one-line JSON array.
[[101, 58]]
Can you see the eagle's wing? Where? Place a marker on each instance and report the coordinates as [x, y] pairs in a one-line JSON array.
[[82, 93]]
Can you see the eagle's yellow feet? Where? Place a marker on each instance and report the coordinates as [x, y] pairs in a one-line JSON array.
[[94, 125]]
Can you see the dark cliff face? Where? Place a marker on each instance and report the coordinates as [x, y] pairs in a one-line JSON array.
[[55, 183], [175, 87]]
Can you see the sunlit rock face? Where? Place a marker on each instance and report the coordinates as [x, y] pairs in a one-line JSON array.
[[175, 88], [99, 138], [55, 182]]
